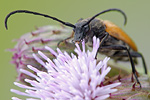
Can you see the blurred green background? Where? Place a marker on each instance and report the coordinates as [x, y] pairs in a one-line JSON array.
[[138, 26]]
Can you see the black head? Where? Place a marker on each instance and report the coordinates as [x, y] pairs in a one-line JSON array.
[[80, 28], [80, 31]]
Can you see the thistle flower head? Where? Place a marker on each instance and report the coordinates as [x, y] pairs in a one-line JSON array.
[[68, 77]]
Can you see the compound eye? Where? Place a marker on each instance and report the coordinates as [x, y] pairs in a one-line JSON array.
[[86, 28]]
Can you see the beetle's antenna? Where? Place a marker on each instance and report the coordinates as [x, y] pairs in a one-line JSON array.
[[36, 13], [108, 10]]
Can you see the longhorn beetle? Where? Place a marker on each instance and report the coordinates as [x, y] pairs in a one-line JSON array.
[[114, 42]]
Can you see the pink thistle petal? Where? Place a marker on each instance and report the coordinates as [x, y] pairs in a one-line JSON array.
[[19, 92], [43, 55], [38, 60], [51, 51], [33, 68], [28, 73], [23, 86]]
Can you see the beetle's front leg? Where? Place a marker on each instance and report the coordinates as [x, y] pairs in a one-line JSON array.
[[102, 41], [65, 39]]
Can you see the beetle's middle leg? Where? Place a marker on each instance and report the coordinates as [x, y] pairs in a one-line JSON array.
[[122, 47]]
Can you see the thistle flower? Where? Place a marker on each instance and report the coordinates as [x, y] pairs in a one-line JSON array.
[[68, 77]]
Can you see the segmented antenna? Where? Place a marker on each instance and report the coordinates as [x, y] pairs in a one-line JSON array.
[[108, 10], [36, 13]]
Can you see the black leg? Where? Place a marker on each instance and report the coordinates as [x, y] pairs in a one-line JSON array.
[[134, 54], [144, 64], [102, 41], [62, 41], [65, 39], [122, 47]]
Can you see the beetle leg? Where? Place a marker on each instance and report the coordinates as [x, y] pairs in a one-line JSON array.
[[65, 39], [135, 54], [122, 47], [102, 41]]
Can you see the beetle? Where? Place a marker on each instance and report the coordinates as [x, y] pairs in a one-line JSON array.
[[114, 42]]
